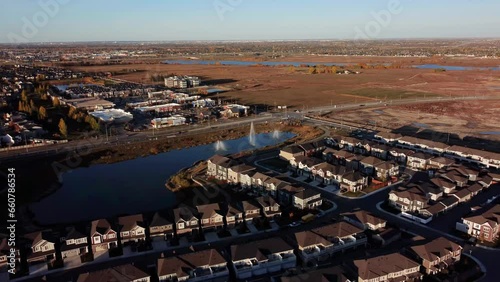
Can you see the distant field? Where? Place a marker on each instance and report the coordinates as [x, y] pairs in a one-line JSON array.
[[281, 86], [390, 94]]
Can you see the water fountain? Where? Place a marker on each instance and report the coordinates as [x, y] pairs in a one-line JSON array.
[[251, 136], [276, 134], [220, 146]]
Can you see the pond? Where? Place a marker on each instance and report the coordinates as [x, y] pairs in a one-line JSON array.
[[133, 186]]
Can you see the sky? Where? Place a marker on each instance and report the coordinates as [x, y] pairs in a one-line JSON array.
[[171, 20]]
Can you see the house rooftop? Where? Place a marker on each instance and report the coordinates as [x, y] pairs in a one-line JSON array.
[[306, 193], [306, 238], [122, 273], [131, 221], [435, 249], [260, 249], [339, 229], [364, 217], [382, 265], [294, 149], [173, 265], [160, 219], [203, 258]]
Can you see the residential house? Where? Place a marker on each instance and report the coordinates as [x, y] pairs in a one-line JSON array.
[[380, 151], [386, 170], [261, 257], [455, 177], [440, 163], [438, 254], [185, 220], [368, 164], [161, 226], [408, 200], [312, 148], [273, 184], [469, 173], [42, 246], [246, 178], [400, 155], [444, 184], [484, 226], [340, 157], [213, 163], [250, 211], [306, 166], [103, 235], [74, 243], [387, 236], [132, 228], [329, 154], [418, 161], [387, 137], [211, 216], [364, 220], [270, 208], [485, 180], [330, 274], [391, 267], [307, 199], [429, 189], [449, 202], [285, 194], [463, 195], [321, 243], [312, 246], [234, 173], [433, 210], [354, 181], [259, 181], [323, 172], [127, 272], [173, 269], [235, 215], [475, 189], [291, 152], [349, 143], [207, 265]]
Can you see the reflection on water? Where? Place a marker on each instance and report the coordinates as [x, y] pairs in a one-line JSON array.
[[132, 186]]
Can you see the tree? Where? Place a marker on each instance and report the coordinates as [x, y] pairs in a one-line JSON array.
[[55, 102], [72, 112], [334, 69], [24, 96], [42, 113], [94, 124], [312, 70], [63, 129]]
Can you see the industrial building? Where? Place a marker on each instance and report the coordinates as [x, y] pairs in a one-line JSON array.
[[167, 122], [182, 82]]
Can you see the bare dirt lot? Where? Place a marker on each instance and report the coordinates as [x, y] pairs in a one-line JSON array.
[[479, 118], [296, 88]]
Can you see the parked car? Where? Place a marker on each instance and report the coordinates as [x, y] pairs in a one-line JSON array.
[[294, 224]]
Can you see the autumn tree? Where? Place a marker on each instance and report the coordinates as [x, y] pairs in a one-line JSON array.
[[334, 69], [94, 124], [312, 70], [42, 113], [24, 96], [63, 129], [55, 102]]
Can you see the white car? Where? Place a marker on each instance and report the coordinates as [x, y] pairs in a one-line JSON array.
[[294, 224]]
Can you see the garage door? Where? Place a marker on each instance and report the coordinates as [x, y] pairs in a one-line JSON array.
[[100, 248]]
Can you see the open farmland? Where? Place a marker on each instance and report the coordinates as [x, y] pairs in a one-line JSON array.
[[296, 88]]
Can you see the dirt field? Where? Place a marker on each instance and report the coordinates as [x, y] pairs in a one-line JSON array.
[[464, 118], [281, 86]]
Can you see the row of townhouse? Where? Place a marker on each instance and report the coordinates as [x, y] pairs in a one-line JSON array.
[[215, 216], [484, 226], [455, 152], [227, 169], [327, 173], [273, 255], [322, 243], [306, 149], [430, 258], [448, 188]]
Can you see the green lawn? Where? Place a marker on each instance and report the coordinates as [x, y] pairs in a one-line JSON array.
[[390, 94]]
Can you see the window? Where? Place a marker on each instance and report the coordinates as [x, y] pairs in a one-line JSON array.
[[70, 241], [111, 236], [126, 233], [97, 239]]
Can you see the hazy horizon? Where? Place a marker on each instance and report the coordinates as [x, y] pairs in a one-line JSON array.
[[68, 21]]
